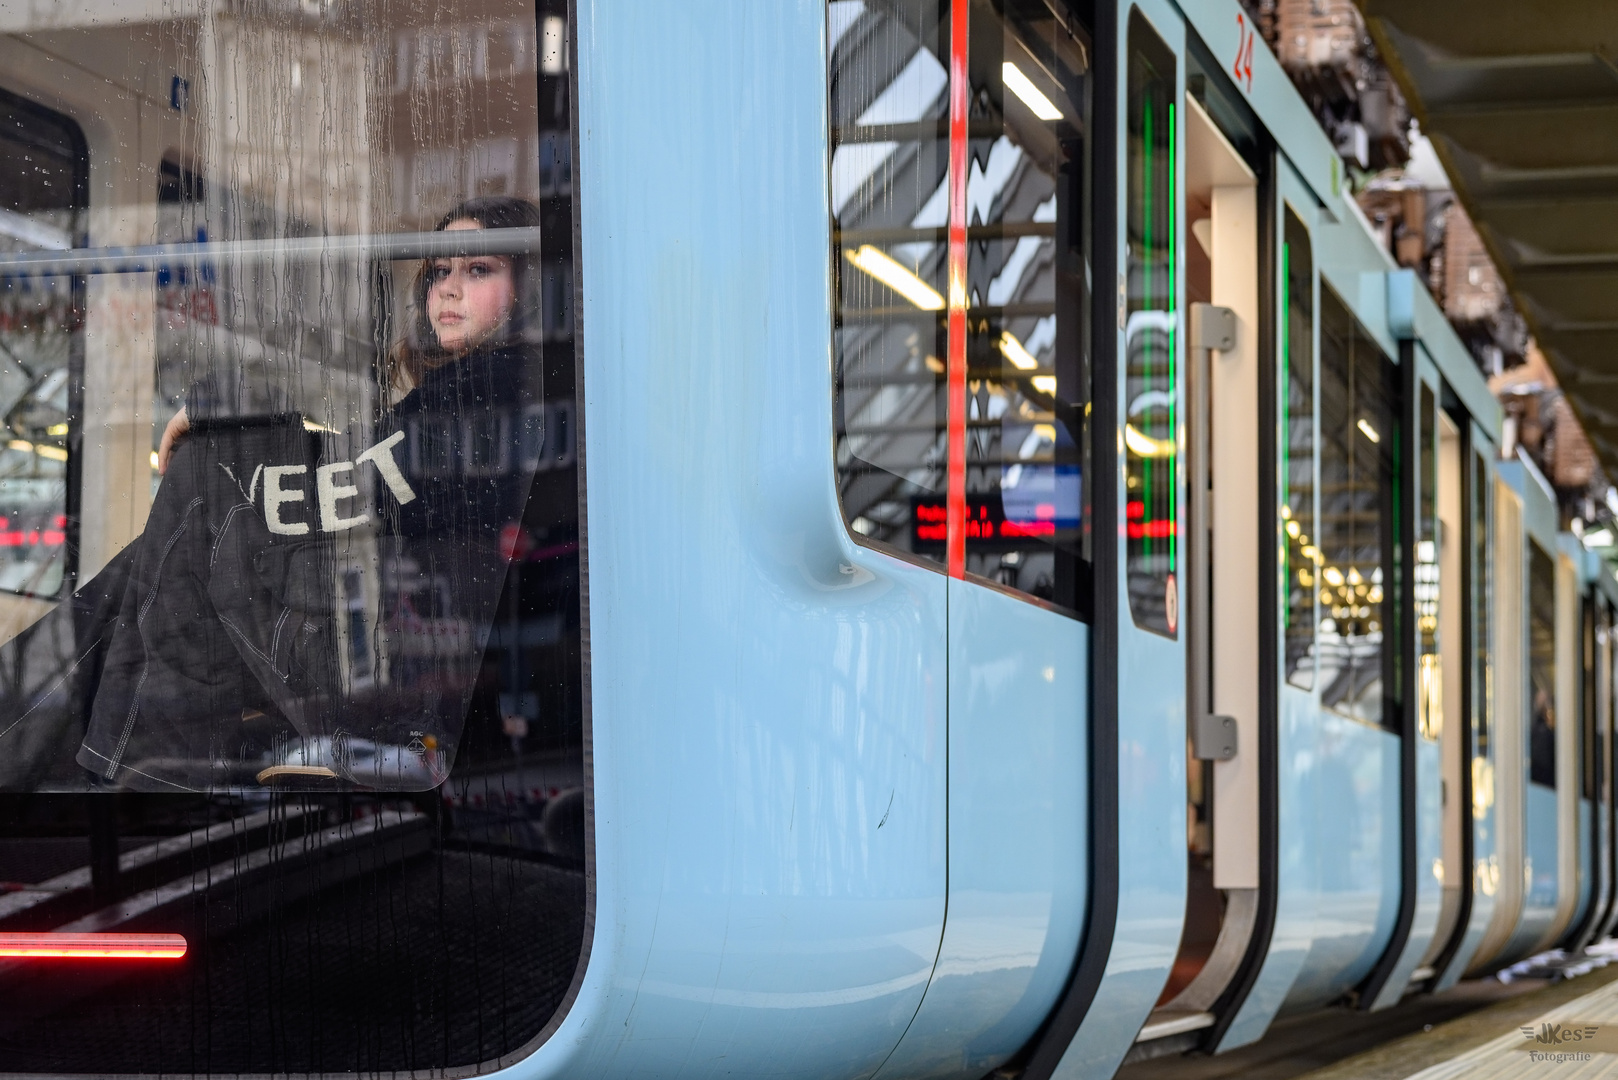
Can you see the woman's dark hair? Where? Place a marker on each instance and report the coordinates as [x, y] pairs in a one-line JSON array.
[[418, 352]]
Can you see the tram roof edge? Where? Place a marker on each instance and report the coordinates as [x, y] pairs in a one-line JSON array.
[[1226, 30]]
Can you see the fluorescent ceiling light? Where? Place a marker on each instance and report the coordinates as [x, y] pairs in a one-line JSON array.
[[896, 277], [1370, 432], [1045, 384], [1018, 84], [1013, 350]]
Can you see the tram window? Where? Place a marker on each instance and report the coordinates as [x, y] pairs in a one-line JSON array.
[[1359, 494], [43, 191], [1541, 666], [333, 662], [1482, 600], [1589, 751], [1024, 351], [1298, 452], [1151, 345], [1424, 574]]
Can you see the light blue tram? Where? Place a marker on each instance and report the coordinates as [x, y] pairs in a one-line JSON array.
[[1014, 578]]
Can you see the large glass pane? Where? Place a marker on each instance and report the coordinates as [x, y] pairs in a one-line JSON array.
[[889, 83], [1026, 348], [1359, 494], [314, 703], [1151, 345], [1541, 666], [1298, 452], [43, 197]]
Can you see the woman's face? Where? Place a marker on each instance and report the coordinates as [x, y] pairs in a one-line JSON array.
[[468, 298]]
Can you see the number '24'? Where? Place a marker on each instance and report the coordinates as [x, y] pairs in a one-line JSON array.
[[1244, 53]]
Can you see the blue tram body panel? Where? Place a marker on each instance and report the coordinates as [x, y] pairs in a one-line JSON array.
[[1018, 834], [770, 733]]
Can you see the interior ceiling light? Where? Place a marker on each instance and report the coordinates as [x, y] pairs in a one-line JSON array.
[[880, 265], [1370, 432], [1018, 84], [45, 946]]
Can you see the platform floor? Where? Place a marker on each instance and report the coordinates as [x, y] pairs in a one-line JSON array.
[[1473, 1030]]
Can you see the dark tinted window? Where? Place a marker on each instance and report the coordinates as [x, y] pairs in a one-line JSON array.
[[376, 857], [1009, 364], [1482, 599], [1151, 340], [1541, 666], [1359, 494]]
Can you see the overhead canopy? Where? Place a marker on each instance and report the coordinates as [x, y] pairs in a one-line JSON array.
[[1521, 103]]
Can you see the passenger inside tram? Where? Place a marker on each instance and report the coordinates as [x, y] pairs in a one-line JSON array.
[[211, 652]]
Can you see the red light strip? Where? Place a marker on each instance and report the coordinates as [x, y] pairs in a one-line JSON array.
[[959, 100], [93, 946]]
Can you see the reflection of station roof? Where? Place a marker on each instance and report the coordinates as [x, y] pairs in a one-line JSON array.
[[1521, 103]]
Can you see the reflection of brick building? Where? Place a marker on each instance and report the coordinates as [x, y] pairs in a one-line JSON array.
[[1540, 420], [1323, 46]]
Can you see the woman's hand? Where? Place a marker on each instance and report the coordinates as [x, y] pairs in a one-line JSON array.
[[179, 424]]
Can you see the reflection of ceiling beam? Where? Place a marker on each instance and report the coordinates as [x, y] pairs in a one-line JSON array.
[[1521, 103]]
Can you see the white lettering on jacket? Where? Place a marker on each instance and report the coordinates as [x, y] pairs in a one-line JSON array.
[[329, 491], [275, 495], [381, 455]]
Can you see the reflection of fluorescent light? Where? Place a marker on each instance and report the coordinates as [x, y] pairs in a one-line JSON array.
[[1045, 384], [310, 425], [56, 429], [1599, 538], [896, 277], [1293, 529], [1334, 576], [1018, 84], [154, 460], [1144, 445], [55, 453], [1013, 350], [1370, 432]]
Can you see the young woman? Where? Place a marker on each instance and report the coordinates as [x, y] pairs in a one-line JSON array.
[[309, 606]]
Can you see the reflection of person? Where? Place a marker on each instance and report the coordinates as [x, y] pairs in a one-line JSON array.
[[1542, 740], [210, 651]]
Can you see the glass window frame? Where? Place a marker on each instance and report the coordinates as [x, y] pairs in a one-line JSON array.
[[989, 364]]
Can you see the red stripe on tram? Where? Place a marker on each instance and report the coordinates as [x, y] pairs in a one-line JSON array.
[[49, 946], [959, 101]]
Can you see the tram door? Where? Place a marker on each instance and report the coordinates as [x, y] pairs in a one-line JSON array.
[[1224, 553]]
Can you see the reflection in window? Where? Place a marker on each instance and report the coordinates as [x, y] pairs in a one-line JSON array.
[[1541, 666], [1357, 585], [1151, 391], [348, 636], [1424, 573], [43, 195], [1298, 452], [1482, 596], [1025, 355]]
